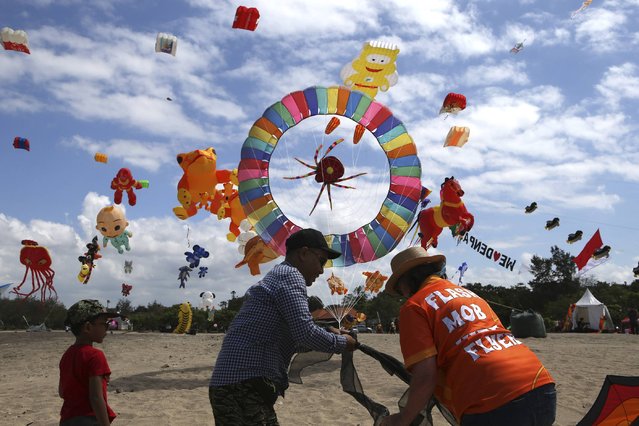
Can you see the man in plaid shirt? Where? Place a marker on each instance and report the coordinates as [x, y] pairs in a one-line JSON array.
[[273, 324]]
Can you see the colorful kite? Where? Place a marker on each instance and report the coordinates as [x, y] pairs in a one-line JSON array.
[[457, 136], [126, 289], [183, 275], [166, 43], [112, 224], [518, 47], [374, 69], [374, 281], [255, 252], [358, 133], [87, 260], [124, 182], [327, 171], [373, 239], [226, 204], [21, 143], [14, 40], [194, 257], [573, 238], [37, 262], [461, 270], [453, 103], [332, 125], [589, 249], [336, 285], [450, 212], [202, 272], [4, 287], [583, 7], [207, 300], [198, 183], [185, 317], [246, 18], [100, 157], [617, 403], [552, 224]]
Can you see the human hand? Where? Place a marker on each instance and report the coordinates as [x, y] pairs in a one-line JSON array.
[[351, 344]]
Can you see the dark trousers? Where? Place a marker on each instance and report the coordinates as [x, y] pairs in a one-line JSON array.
[[535, 408], [246, 403]]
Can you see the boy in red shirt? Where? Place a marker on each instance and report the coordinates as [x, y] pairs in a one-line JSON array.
[[457, 350], [84, 371]]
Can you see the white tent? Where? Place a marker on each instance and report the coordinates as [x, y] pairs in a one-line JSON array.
[[591, 310]]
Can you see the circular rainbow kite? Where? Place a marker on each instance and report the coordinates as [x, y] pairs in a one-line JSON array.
[[372, 240]]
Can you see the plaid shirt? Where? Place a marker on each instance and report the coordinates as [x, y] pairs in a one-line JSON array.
[[273, 324]]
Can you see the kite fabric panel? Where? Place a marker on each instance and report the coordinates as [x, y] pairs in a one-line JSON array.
[[616, 404], [457, 136], [352, 385], [593, 244]]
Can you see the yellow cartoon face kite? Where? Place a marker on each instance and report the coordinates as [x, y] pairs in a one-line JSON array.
[[373, 70]]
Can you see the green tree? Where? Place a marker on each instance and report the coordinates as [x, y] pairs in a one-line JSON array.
[[124, 307]]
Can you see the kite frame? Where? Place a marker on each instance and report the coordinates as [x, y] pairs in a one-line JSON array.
[[368, 242]]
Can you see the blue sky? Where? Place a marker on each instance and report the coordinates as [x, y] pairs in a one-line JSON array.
[[556, 124]]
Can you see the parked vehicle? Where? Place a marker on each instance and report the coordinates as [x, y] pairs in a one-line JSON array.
[[361, 328]]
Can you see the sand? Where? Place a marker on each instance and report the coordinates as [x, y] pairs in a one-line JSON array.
[[162, 379]]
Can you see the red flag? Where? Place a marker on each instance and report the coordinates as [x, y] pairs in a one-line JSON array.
[[593, 244]]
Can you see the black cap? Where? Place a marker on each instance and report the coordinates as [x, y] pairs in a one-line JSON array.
[[311, 238]]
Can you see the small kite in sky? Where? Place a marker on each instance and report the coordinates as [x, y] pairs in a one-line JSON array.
[[374, 281], [246, 18], [552, 224], [183, 275], [14, 40], [194, 257], [531, 208], [332, 125], [453, 103], [601, 252], [126, 289], [124, 182], [101, 158], [336, 284], [518, 47], [374, 69], [573, 238], [166, 43], [21, 143], [583, 7], [128, 266], [203, 271], [457, 136]]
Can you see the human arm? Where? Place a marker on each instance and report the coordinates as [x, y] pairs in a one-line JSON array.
[[290, 298], [422, 385], [96, 398]]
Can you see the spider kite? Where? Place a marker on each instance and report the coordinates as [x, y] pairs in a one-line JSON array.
[[328, 171]]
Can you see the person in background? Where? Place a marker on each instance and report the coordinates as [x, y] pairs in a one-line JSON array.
[[457, 350], [273, 323], [84, 371]]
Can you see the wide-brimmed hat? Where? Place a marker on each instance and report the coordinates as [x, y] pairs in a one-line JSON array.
[[406, 260], [311, 238]]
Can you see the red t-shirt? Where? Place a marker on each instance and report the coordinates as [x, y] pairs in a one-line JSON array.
[[78, 363], [481, 366]]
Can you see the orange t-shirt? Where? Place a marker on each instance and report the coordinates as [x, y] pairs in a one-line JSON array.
[[481, 366]]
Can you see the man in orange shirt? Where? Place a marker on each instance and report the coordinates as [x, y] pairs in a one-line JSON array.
[[457, 350]]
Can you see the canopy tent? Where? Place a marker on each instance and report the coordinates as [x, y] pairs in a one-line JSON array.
[[591, 310]]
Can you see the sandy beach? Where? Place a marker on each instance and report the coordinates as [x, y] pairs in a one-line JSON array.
[[162, 379]]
